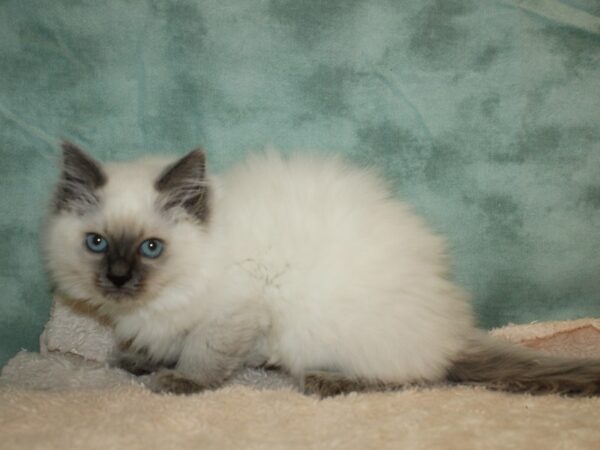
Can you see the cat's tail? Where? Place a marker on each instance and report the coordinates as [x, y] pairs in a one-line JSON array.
[[502, 366]]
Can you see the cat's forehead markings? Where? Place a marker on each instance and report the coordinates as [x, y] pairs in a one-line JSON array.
[[124, 244], [125, 235], [129, 192]]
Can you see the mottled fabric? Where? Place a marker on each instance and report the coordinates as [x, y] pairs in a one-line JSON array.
[[484, 114]]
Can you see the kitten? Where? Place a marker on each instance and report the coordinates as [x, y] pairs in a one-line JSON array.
[[304, 262]]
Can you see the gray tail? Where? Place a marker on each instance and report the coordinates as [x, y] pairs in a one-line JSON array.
[[502, 366]]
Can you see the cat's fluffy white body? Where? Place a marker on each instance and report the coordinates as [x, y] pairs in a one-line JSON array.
[[318, 259], [350, 278], [303, 262]]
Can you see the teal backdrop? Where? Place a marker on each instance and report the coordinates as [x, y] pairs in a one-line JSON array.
[[484, 114]]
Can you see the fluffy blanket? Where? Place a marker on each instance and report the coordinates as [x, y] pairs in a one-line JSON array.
[[60, 399]]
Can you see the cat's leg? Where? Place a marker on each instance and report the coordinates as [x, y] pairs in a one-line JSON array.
[[209, 357], [136, 362], [328, 384]]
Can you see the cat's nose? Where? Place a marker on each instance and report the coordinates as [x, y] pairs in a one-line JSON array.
[[119, 273], [118, 280]]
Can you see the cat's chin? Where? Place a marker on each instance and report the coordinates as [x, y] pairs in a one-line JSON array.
[[127, 293], [110, 298], [119, 297]]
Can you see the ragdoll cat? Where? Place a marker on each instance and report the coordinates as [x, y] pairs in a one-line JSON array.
[[302, 262]]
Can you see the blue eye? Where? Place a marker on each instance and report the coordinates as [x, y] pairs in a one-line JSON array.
[[96, 243], [151, 248]]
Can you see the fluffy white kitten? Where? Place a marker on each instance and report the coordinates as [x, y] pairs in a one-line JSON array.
[[305, 263]]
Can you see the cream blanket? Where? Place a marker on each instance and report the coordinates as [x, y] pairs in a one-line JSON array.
[[58, 399]]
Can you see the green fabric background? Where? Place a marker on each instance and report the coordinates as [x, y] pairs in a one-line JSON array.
[[484, 114]]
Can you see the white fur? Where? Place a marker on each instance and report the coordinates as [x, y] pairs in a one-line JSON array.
[[315, 260]]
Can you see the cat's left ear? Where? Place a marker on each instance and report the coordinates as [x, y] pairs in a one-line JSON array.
[[81, 176], [184, 184]]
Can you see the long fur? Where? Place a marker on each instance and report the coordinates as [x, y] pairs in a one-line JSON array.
[[303, 262], [502, 366]]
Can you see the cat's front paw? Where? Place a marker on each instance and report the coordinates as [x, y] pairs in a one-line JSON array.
[[135, 365], [326, 384], [173, 382]]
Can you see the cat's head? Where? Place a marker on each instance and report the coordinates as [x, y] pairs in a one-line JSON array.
[[118, 233]]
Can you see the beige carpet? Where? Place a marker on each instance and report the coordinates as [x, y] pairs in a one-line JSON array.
[[240, 417], [90, 412]]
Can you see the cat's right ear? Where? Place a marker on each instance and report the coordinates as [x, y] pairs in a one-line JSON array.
[[183, 184], [81, 176]]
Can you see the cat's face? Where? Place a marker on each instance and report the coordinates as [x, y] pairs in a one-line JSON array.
[[120, 233]]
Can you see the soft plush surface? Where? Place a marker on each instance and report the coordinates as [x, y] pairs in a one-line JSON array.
[[237, 417], [59, 400], [483, 113]]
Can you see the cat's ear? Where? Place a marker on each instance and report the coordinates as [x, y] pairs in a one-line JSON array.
[[81, 176], [183, 184]]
